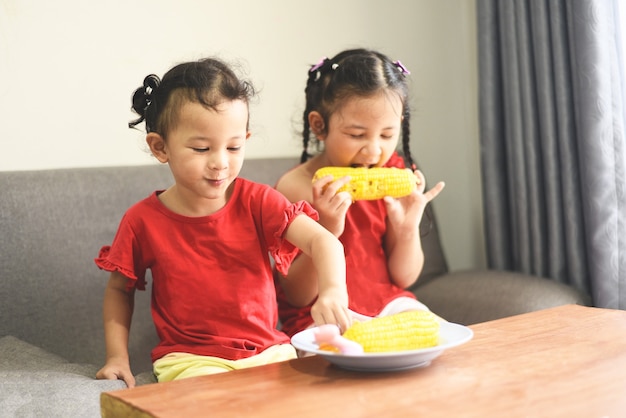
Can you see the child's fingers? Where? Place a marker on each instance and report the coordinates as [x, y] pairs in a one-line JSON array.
[[421, 186], [333, 187], [342, 201], [419, 175], [326, 192], [336, 315], [128, 378], [109, 373], [344, 320], [421, 180], [320, 185], [432, 193]]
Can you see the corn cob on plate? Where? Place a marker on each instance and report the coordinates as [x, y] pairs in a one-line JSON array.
[[372, 183], [403, 356], [403, 331]]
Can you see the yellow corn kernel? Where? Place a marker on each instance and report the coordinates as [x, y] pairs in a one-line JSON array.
[[408, 330], [372, 183]]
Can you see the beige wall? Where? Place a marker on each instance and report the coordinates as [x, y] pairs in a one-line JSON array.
[[68, 67]]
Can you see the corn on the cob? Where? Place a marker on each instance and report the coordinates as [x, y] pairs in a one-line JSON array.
[[372, 183], [408, 330]]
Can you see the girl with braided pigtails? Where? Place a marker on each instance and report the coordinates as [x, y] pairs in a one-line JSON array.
[[357, 109]]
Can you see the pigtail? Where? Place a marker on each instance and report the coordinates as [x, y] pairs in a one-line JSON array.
[[143, 99], [406, 148], [306, 130], [425, 226], [305, 140], [310, 93]]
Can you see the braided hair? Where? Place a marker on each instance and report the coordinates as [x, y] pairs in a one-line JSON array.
[[355, 72]]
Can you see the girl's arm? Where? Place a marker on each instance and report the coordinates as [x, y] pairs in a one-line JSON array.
[[301, 283], [403, 245], [328, 260], [405, 257], [117, 312]]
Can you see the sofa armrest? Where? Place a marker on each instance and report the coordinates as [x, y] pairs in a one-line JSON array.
[[473, 296]]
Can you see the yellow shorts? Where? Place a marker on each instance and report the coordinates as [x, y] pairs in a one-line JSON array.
[[176, 366]]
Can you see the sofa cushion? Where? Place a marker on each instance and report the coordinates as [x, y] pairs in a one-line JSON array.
[[473, 296], [17, 355], [435, 263], [36, 383], [53, 224]]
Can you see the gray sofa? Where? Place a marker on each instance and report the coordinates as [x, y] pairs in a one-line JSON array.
[[52, 224]]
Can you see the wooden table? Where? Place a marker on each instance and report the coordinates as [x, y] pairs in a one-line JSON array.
[[568, 361]]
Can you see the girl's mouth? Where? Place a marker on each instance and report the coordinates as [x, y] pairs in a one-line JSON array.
[[216, 182]]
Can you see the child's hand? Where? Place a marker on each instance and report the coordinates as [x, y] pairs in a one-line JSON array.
[[117, 369], [331, 307], [331, 206], [406, 213]]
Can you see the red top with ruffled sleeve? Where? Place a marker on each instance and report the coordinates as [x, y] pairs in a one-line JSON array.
[[367, 277], [212, 286]]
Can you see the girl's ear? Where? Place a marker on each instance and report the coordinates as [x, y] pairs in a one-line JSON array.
[[157, 146], [316, 122]]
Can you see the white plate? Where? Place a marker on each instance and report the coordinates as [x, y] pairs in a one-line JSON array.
[[450, 335]]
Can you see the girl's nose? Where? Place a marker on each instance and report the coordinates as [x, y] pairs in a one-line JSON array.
[[218, 161], [372, 148]]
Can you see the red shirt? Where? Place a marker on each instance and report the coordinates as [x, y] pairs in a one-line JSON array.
[[212, 286], [367, 277]]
